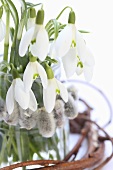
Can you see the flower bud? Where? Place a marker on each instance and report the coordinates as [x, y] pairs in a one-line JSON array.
[[31, 13], [71, 19], [46, 123], [13, 118], [71, 108], [40, 17]]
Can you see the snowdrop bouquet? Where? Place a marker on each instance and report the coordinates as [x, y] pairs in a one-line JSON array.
[[30, 92]]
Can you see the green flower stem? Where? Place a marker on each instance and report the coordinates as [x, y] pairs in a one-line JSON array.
[[17, 136], [64, 142], [1, 11], [32, 5], [6, 42], [54, 143], [14, 14], [6, 48], [63, 11], [34, 149], [49, 71], [22, 20]]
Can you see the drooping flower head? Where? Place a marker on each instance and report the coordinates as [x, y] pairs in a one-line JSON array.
[[17, 93], [32, 71], [54, 87], [36, 38], [71, 47]]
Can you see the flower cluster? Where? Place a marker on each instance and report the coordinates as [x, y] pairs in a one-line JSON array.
[[27, 73]]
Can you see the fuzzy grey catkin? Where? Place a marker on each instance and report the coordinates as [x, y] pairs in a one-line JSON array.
[[13, 118], [27, 119], [73, 91], [71, 107], [59, 113], [46, 123]]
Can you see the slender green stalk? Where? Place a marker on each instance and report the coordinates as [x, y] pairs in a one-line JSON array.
[[6, 42], [63, 11], [22, 20], [15, 17]]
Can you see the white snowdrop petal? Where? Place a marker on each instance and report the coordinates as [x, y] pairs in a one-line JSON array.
[[28, 75], [42, 43], [25, 41], [30, 23], [79, 70], [64, 40], [41, 71], [49, 95], [81, 46], [89, 58], [69, 62], [63, 90], [33, 49], [52, 50], [2, 30], [20, 95], [88, 73], [10, 99], [32, 102]]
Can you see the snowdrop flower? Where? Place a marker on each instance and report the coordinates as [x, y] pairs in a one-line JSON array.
[[37, 38], [70, 45], [32, 71], [54, 87], [17, 93], [2, 26], [46, 123]]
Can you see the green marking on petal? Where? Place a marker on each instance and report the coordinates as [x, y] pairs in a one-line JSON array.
[[33, 41], [80, 64], [57, 91], [35, 76], [73, 44]]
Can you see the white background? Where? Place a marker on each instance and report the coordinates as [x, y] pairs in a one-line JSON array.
[[95, 16]]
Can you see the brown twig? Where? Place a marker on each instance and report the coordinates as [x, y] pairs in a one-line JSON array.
[[28, 163], [76, 148]]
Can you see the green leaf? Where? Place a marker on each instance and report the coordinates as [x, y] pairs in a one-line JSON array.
[[4, 86], [83, 31]]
